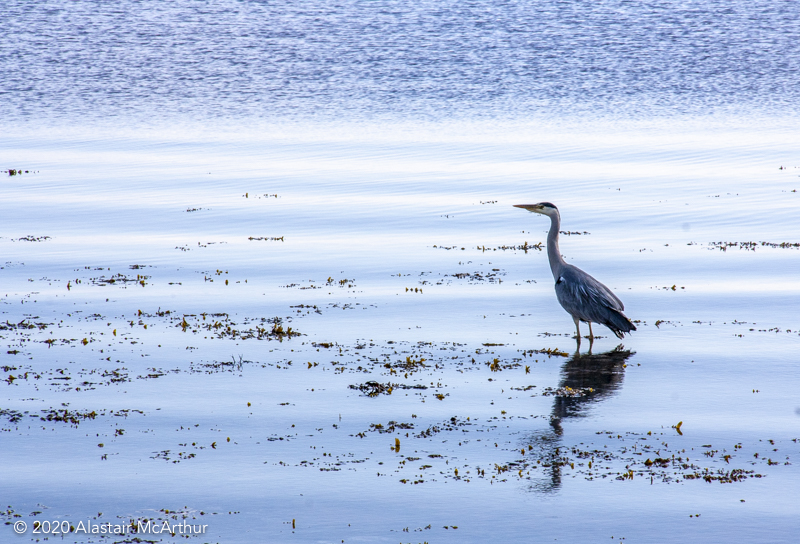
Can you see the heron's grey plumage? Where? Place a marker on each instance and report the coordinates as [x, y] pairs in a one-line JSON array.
[[582, 296]]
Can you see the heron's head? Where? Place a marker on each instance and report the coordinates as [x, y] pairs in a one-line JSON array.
[[544, 208]]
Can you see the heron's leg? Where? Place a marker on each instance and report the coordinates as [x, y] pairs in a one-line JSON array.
[[577, 329], [591, 334]]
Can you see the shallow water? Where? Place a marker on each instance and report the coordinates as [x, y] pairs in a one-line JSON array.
[[717, 352], [384, 235]]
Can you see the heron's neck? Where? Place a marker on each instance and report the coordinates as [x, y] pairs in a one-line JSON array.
[[553, 253]]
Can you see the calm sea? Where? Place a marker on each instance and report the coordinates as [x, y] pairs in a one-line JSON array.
[[193, 179]]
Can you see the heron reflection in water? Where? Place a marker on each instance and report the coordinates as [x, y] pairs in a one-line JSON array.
[[585, 381]]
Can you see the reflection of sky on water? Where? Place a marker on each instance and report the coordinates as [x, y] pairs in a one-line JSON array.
[[385, 128], [391, 59]]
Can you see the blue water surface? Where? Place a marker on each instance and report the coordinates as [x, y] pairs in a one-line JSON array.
[[191, 179]]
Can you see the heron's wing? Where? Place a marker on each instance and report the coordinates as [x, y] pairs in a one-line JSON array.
[[584, 297]]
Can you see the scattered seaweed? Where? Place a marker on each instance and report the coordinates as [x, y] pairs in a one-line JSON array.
[[373, 388], [31, 238], [267, 238], [751, 246], [523, 247]]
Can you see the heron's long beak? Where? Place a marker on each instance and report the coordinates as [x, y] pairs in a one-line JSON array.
[[529, 207]]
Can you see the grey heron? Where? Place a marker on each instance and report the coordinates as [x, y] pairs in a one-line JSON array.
[[582, 296]]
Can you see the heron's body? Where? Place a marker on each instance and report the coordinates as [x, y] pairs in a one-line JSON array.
[[582, 296]]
